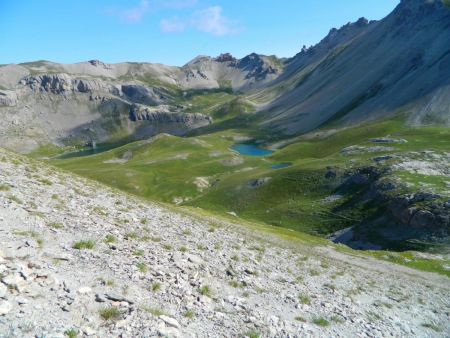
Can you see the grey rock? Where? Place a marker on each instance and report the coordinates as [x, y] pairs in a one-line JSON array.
[[100, 298], [5, 307], [422, 218], [117, 298], [170, 321], [259, 182]]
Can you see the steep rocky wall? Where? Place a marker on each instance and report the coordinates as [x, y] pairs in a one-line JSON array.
[[396, 218]]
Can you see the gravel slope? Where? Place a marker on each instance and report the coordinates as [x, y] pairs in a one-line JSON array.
[[159, 273]]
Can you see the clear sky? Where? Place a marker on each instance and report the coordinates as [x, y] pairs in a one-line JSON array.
[[169, 31]]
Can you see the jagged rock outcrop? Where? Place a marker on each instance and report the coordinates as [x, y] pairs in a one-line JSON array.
[[64, 83], [226, 57], [335, 37], [98, 63], [162, 114], [394, 219], [257, 67], [142, 95], [8, 98]]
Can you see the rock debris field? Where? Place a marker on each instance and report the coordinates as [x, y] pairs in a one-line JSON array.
[[80, 259]]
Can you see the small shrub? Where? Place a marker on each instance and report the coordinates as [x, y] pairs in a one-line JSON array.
[[109, 313], [183, 249], [15, 199], [189, 314], [138, 253], [251, 334], [156, 287], [313, 272], [45, 181], [110, 238], [80, 245], [71, 333], [154, 311], [432, 327], [4, 187], [300, 319], [145, 238], [131, 236], [236, 284], [330, 286], [167, 247], [324, 265], [55, 225], [40, 242], [142, 267], [320, 321], [205, 290], [337, 319], [304, 299]]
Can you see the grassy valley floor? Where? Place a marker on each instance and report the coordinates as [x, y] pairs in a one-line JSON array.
[[307, 196]]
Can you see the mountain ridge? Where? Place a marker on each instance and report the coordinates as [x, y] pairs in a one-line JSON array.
[[379, 68]]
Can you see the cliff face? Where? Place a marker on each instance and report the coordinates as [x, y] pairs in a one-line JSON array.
[[64, 83], [62, 108], [162, 114]]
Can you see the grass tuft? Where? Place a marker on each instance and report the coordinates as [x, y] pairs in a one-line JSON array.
[[81, 245], [109, 313]]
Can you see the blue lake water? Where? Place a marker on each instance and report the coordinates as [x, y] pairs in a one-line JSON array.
[[248, 149], [280, 165]]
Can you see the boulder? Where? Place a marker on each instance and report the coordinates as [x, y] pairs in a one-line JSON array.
[[422, 218]]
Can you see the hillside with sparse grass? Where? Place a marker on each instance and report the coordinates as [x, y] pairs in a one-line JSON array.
[[329, 180], [79, 258]]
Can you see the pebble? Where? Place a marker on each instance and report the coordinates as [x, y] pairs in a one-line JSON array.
[[5, 307], [84, 290]]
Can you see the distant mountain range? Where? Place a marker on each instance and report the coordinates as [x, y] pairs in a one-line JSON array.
[[362, 71]]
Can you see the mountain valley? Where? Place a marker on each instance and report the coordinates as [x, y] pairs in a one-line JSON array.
[[251, 197]]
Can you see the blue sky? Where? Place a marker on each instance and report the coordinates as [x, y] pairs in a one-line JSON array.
[[169, 31]]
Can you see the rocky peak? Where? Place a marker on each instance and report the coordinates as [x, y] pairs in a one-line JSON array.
[[225, 57], [337, 36], [98, 63], [257, 66], [348, 29], [199, 59]]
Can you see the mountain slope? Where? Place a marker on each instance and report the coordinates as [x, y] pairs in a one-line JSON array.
[[91, 102], [88, 259], [371, 70]]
